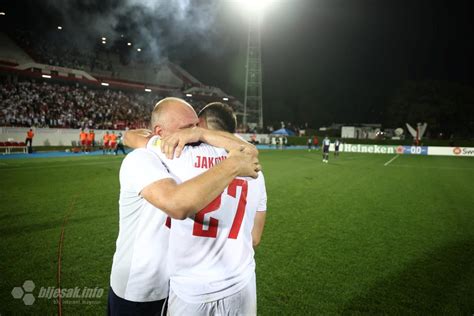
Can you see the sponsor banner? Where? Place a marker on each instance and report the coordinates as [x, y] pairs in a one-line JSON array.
[[371, 149], [412, 150], [407, 150], [451, 151]]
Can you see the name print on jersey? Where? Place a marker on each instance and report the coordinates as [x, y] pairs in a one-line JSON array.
[[207, 162]]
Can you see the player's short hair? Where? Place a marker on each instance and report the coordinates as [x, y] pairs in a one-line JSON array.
[[219, 116]]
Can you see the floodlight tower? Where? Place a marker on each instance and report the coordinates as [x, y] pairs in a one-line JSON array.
[[253, 99]]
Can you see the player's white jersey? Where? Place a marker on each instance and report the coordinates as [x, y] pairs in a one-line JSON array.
[[139, 268], [326, 142], [211, 254]]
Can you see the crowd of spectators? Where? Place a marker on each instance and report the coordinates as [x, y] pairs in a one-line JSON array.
[[45, 104], [42, 104]]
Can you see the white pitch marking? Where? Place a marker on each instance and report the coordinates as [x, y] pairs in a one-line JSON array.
[[388, 162], [434, 167]]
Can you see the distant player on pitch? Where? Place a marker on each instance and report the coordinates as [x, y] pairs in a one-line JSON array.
[[337, 143], [326, 144], [310, 143]]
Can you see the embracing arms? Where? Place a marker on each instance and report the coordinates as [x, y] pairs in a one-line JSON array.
[[173, 145], [182, 200]]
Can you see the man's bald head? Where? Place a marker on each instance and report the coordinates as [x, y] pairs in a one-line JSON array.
[[171, 115]]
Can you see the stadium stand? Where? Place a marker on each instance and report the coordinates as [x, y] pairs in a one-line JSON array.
[[12, 53], [74, 96], [41, 104], [59, 50]]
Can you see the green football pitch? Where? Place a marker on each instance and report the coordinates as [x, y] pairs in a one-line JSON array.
[[349, 237]]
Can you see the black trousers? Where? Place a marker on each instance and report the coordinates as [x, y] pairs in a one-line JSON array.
[[120, 147], [30, 146], [118, 306]]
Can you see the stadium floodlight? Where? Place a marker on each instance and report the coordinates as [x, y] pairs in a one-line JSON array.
[[189, 95], [46, 76], [139, 49], [104, 38], [60, 27], [255, 6], [147, 90], [225, 99], [105, 84], [129, 44], [3, 13], [104, 42], [253, 98]]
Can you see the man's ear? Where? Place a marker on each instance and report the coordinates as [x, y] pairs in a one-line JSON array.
[[202, 122], [158, 131]]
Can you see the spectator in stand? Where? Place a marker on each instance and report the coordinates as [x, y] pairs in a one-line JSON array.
[[29, 140]]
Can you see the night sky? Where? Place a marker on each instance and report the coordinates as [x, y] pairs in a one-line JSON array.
[[326, 61], [341, 61]]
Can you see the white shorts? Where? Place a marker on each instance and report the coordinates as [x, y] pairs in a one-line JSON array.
[[243, 303]]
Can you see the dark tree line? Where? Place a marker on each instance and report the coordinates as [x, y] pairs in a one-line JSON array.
[[447, 107]]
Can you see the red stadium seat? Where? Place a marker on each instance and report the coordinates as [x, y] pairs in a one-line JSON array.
[[22, 144], [2, 144]]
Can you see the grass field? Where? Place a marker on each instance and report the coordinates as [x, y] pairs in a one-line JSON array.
[[349, 237]]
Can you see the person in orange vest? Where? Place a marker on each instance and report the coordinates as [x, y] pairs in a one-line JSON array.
[[83, 140], [29, 140], [106, 139], [113, 141], [90, 140]]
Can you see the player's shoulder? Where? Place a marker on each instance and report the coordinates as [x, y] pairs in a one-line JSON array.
[[190, 150], [258, 181], [208, 149], [139, 154], [154, 142]]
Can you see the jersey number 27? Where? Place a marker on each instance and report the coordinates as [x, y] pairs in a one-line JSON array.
[[211, 231]]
